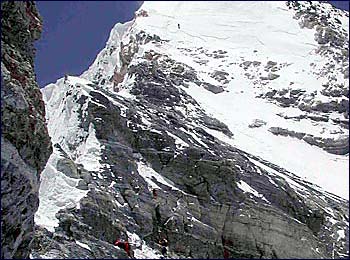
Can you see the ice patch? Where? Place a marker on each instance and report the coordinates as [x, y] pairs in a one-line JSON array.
[[90, 152], [149, 174], [156, 131], [83, 245], [142, 251], [196, 220], [246, 188], [178, 141], [276, 173], [112, 184], [64, 122], [341, 234], [194, 136], [56, 192], [126, 94], [332, 220]]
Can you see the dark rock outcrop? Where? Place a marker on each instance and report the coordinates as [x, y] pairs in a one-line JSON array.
[[339, 145], [220, 76], [257, 123], [270, 76], [25, 143]]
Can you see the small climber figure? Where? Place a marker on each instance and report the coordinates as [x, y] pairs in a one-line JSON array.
[[124, 245], [178, 26], [158, 215], [226, 254], [154, 193], [65, 78], [164, 243]]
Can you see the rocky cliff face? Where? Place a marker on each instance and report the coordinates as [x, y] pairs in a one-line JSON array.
[[156, 140], [25, 143]]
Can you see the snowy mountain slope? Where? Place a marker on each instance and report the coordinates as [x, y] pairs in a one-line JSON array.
[[246, 60], [225, 116], [228, 106], [105, 181]]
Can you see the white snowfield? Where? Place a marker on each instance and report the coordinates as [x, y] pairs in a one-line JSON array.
[[253, 31], [329, 171]]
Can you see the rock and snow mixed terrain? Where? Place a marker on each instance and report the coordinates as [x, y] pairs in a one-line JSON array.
[[237, 113]]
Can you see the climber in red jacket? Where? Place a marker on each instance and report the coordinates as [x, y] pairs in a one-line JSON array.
[[226, 254], [124, 245]]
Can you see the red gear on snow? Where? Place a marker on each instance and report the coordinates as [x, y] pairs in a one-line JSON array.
[[124, 245], [127, 248]]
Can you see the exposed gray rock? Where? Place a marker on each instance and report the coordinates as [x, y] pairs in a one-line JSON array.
[[212, 88], [61, 246], [219, 75], [257, 123], [25, 144], [327, 32], [335, 146], [83, 185], [215, 124], [256, 63], [286, 132], [246, 64], [309, 104], [284, 97], [346, 72], [67, 167], [318, 118], [270, 64], [270, 76], [336, 90]]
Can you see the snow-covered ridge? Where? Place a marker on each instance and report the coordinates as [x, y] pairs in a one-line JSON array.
[[66, 127], [109, 58]]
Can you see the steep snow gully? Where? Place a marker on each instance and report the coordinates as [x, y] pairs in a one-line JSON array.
[[221, 126]]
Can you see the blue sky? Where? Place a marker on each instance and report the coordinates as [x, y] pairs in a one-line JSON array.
[[341, 4], [75, 31]]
